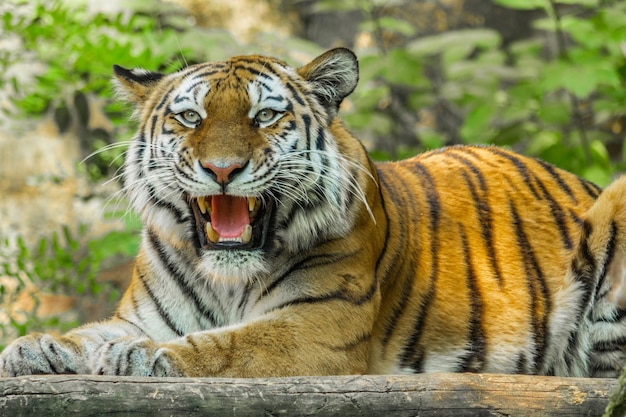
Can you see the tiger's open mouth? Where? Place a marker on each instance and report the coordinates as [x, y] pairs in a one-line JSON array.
[[229, 222]]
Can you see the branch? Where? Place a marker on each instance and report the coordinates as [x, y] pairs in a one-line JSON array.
[[407, 395]]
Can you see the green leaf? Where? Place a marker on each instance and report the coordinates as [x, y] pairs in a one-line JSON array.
[[477, 123], [324, 6], [555, 113], [521, 4], [455, 45], [370, 98], [543, 141], [597, 174], [586, 3], [389, 23], [430, 138], [402, 68], [581, 76], [370, 67]]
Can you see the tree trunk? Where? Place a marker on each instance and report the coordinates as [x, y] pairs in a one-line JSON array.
[[407, 395]]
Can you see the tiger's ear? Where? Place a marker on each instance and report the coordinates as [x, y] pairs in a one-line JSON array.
[[334, 75], [134, 85]]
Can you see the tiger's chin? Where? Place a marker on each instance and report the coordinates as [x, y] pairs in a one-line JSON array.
[[233, 267]]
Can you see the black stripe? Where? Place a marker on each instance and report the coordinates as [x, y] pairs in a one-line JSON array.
[[319, 142], [618, 317], [474, 360], [191, 72], [383, 204], [154, 119], [575, 218], [610, 253], [407, 285], [559, 217], [179, 278], [413, 356], [308, 262], [400, 306], [484, 213], [307, 129], [521, 367], [534, 277], [275, 97], [611, 345], [303, 207], [555, 208], [120, 317], [590, 188], [55, 370], [519, 165], [252, 71], [243, 302], [584, 264], [164, 99], [551, 169], [193, 87], [469, 164], [295, 94], [166, 318], [207, 74], [265, 86], [178, 214], [349, 345], [191, 342], [342, 294], [129, 360]]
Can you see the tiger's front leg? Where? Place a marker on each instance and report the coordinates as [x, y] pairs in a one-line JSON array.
[[71, 353], [277, 344]]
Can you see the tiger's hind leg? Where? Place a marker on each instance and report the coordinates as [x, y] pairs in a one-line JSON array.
[[601, 265]]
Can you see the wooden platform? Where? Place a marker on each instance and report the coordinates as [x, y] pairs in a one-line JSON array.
[[412, 395]]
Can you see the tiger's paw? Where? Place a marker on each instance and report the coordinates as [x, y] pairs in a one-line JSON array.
[[41, 354], [132, 356]]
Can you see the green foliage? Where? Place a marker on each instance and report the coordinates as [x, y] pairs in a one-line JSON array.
[[78, 49], [79, 59], [617, 401], [560, 106], [60, 264]]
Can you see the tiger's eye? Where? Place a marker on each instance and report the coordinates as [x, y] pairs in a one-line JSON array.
[[191, 116], [265, 115]]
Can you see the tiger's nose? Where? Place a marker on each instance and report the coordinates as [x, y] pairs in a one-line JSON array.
[[223, 173]]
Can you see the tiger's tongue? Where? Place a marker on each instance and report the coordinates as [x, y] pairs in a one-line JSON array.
[[229, 215]]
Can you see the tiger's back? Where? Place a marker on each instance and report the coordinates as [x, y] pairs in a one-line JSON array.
[[479, 243]]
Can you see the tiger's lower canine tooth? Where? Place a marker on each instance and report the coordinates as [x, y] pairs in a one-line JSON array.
[[246, 235], [202, 204], [212, 234]]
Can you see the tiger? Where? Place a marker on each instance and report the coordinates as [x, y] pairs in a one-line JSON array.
[[274, 246]]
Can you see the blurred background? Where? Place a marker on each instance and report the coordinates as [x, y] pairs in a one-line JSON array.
[[543, 77]]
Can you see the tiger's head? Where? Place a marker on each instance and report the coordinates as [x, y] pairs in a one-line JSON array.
[[242, 158]]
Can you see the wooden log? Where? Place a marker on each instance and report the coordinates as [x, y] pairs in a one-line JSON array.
[[407, 395]]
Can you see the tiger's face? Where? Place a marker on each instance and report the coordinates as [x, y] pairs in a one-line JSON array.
[[238, 158]]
